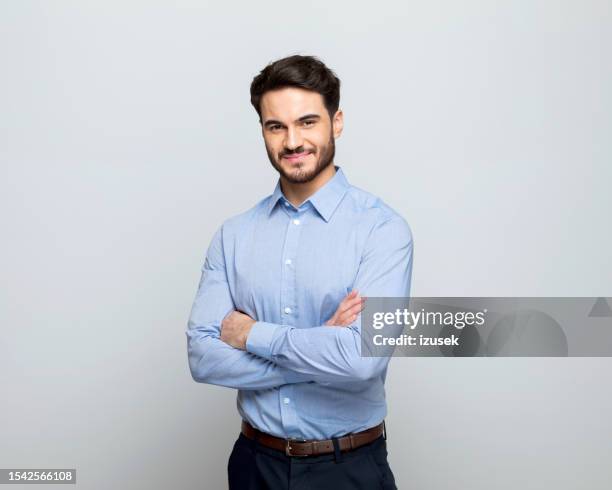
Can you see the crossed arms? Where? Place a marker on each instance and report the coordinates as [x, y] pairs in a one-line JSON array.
[[277, 354]]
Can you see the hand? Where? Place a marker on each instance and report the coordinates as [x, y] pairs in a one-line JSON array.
[[235, 329], [347, 312]]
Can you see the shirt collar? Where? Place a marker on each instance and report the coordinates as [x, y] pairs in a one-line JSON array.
[[325, 200]]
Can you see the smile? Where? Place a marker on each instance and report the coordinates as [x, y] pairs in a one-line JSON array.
[[293, 158]]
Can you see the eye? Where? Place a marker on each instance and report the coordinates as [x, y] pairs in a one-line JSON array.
[[274, 127], [309, 123]]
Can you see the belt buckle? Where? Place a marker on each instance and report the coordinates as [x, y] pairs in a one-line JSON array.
[[288, 447]]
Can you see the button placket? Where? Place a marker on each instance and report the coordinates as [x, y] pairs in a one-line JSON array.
[[289, 311], [288, 279]]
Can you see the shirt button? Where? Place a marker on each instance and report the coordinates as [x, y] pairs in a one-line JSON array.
[[286, 203], [296, 221], [287, 310], [288, 261], [286, 401]]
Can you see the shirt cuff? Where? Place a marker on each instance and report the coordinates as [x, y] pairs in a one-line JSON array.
[[259, 340]]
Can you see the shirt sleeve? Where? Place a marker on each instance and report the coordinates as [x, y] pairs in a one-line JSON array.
[[332, 353], [210, 359]]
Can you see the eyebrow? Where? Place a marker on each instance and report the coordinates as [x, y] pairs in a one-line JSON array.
[[269, 122]]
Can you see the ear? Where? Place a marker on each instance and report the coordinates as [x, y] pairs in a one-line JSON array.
[[338, 123]]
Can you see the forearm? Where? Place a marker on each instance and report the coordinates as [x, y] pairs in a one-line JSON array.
[[214, 362], [321, 353]]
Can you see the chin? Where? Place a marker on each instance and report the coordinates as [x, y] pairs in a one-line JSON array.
[[302, 171], [292, 168], [298, 175]]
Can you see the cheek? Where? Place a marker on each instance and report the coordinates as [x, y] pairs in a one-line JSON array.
[[271, 147], [320, 139]]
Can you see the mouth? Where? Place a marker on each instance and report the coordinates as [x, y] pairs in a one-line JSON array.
[[297, 156]]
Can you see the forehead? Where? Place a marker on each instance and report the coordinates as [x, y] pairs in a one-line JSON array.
[[291, 103]]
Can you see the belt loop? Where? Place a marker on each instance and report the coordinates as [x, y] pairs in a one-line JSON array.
[[384, 430], [337, 453]]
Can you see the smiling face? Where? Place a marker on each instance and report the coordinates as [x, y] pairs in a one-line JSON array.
[[298, 132]]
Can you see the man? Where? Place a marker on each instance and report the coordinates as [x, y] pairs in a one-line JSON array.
[[276, 314]]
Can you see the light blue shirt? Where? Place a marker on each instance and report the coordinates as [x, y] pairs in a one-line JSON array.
[[289, 268]]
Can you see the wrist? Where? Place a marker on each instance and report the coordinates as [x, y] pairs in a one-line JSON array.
[[246, 331]]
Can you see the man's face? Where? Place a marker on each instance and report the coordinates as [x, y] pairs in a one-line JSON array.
[[298, 132]]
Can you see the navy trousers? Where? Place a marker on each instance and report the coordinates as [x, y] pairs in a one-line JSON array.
[[252, 466]]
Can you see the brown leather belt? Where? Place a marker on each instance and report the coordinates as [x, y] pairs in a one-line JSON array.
[[303, 447]]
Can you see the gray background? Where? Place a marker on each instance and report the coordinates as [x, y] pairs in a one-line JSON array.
[[127, 137]]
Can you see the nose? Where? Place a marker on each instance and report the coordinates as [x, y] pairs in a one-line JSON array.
[[294, 139]]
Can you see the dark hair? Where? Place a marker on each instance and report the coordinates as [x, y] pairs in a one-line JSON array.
[[307, 72]]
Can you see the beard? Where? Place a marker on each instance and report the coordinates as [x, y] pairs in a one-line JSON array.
[[299, 175]]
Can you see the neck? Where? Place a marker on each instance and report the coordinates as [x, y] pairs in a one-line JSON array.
[[298, 193]]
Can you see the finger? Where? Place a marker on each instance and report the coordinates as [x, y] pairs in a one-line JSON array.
[[354, 293], [348, 304], [347, 298], [332, 321], [341, 317], [347, 319], [346, 316], [355, 310], [351, 318]]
